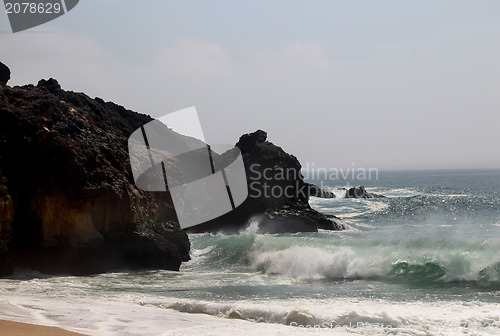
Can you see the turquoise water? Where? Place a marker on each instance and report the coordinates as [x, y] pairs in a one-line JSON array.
[[435, 236], [432, 243]]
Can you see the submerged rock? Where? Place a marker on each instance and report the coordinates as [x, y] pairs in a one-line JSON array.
[[68, 203], [360, 192]]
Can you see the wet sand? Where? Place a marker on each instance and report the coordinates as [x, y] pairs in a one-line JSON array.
[[8, 328]]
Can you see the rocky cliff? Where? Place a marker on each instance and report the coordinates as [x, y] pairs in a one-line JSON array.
[[278, 196], [67, 199], [68, 203]]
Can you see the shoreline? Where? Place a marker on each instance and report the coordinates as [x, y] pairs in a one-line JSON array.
[[88, 317], [11, 328], [115, 318]]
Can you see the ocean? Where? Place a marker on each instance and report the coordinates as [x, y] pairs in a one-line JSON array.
[[424, 260]]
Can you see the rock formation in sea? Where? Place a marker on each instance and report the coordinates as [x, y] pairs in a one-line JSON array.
[[278, 196], [68, 202], [360, 192], [319, 192]]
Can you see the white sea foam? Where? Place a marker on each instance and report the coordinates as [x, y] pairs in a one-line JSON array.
[[396, 192], [143, 315], [311, 263], [201, 252], [377, 206], [361, 316], [414, 260], [119, 318]]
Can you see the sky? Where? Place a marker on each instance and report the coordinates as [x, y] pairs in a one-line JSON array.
[[339, 84]]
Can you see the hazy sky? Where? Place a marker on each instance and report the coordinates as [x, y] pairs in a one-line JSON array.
[[385, 84]]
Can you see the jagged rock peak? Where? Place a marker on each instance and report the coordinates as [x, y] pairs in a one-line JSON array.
[[50, 84], [250, 139]]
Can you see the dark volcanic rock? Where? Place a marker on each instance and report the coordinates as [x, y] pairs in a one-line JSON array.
[[4, 73], [6, 216], [316, 191], [360, 192], [278, 196], [50, 85], [67, 198]]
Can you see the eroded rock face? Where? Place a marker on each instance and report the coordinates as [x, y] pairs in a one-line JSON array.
[[67, 198], [278, 196], [4, 73], [319, 192], [6, 217]]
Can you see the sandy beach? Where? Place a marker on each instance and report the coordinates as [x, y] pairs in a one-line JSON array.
[[8, 328]]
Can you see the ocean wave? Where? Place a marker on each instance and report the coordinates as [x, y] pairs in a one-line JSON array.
[[358, 317], [326, 256], [299, 315], [310, 263]]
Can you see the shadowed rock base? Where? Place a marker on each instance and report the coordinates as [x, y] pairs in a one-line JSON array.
[[67, 198]]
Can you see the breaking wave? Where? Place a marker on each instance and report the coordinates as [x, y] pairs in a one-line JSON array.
[[417, 262]]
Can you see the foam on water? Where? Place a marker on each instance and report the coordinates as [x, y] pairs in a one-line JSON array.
[[147, 304], [351, 254], [415, 262], [143, 314], [424, 261], [310, 263]]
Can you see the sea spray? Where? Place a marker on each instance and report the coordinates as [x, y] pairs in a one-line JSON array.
[[424, 261], [311, 263], [331, 256]]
